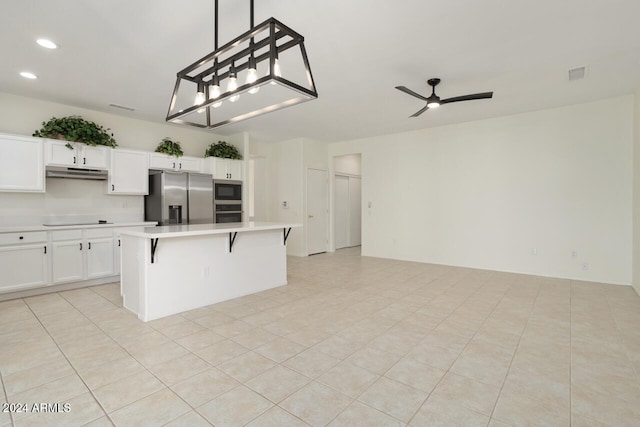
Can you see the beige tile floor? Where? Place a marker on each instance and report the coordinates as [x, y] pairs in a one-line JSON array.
[[351, 341]]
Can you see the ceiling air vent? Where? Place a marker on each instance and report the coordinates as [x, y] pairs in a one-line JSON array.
[[577, 73], [122, 107]]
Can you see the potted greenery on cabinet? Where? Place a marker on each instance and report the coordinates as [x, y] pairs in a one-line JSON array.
[[170, 147], [76, 129], [223, 150]]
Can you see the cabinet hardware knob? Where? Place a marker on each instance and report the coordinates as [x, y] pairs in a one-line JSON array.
[[113, 187], [174, 165], [118, 242], [45, 249], [84, 160], [89, 245], [80, 245], [180, 165], [21, 237], [74, 160]]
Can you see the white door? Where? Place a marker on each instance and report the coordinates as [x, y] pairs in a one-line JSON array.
[[317, 196], [355, 212], [341, 210]]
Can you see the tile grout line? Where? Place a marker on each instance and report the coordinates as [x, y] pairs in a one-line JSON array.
[[514, 353], [461, 351], [6, 398], [65, 355]]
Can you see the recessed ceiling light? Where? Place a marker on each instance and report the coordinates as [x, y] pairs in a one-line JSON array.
[[47, 43], [28, 75]]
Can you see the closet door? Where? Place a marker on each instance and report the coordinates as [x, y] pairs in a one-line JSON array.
[[342, 220], [355, 209]]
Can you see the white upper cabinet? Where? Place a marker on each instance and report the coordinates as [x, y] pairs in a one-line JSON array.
[[80, 156], [21, 164], [224, 168], [129, 172], [172, 163]]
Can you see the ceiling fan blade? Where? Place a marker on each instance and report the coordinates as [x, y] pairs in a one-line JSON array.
[[410, 92], [420, 112], [483, 95]]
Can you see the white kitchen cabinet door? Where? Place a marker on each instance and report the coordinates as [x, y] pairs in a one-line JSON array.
[[58, 154], [172, 163], [93, 157], [234, 169], [129, 172], [100, 258], [21, 164], [68, 261], [117, 247], [161, 161], [189, 164], [23, 266], [80, 156], [227, 169]]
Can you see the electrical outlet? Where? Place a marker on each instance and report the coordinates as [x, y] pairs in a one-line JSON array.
[[585, 266], [285, 204]]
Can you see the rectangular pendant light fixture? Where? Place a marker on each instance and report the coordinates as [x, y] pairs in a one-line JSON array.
[[263, 70]]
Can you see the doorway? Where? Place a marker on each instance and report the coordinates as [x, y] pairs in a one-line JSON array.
[[347, 201]]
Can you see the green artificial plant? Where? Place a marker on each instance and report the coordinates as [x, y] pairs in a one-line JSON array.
[[170, 147], [76, 129], [223, 150]]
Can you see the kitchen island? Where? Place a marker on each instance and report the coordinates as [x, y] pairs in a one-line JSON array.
[[170, 269]]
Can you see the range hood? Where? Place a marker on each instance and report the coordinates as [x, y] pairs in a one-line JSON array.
[[76, 173]]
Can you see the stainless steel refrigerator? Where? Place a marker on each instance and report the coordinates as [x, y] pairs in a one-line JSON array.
[[179, 198]]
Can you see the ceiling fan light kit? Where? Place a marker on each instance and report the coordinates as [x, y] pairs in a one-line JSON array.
[[434, 100], [263, 70]]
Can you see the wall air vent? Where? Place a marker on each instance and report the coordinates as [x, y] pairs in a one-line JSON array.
[[577, 73], [122, 107]]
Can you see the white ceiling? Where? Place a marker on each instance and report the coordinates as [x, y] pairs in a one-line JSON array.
[[127, 52]]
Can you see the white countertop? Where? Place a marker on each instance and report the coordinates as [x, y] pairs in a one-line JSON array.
[[18, 229], [205, 229]]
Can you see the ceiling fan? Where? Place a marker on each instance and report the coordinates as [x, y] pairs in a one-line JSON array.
[[434, 100]]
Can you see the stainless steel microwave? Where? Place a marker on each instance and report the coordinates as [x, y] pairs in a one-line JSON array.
[[227, 190]]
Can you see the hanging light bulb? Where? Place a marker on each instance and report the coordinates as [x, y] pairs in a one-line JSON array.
[[252, 74], [214, 90], [276, 69], [200, 98], [233, 83]]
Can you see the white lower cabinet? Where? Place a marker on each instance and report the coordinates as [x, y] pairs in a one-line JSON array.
[[82, 254], [23, 260], [68, 264], [100, 258]]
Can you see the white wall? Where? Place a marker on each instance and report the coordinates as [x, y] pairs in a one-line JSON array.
[[348, 164], [82, 199], [287, 164], [488, 194]]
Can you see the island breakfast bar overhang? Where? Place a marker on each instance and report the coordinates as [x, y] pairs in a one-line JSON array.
[[171, 269]]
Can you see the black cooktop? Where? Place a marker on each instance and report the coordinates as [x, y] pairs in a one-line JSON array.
[[101, 222]]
